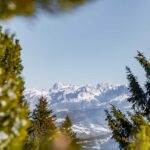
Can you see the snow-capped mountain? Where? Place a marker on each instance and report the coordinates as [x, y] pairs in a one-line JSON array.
[[85, 105]]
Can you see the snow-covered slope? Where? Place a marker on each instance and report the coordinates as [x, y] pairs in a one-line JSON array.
[[85, 105]]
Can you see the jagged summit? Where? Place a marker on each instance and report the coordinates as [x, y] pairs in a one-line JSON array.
[[72, 93], [58, 85]]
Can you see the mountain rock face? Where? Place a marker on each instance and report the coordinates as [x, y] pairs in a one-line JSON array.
[[85, 105]]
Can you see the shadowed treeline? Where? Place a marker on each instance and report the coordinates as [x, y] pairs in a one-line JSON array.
[[11, 8]]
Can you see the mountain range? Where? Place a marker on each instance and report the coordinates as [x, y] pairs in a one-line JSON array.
[[85, 105]]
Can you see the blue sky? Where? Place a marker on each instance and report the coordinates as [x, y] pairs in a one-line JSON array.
[[91, 44]]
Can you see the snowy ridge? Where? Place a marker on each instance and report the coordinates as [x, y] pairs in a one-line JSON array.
[[85, 105]]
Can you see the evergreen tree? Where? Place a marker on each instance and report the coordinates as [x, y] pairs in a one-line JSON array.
[[145, 63], [11, 8], [138, 97], [124, 128], [43, 127], [13, 113], [66, 129], [67, 124], [121, 127], [142, 139], [43, 118]]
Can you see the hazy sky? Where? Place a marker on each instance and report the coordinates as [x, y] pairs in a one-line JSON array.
[[92, 44]]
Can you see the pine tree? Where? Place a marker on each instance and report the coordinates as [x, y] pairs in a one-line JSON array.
[[66, 125], [121, 127], [43, 127], [142, 139], [138, 97], [66, 129], [13, 113], [43, 118], [124, 128], [145, 63], [11, 8]]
